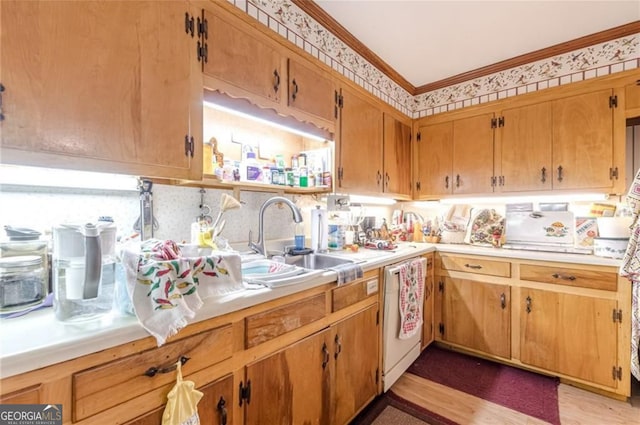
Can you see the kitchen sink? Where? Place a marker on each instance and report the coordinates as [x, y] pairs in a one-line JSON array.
[[316, 261]]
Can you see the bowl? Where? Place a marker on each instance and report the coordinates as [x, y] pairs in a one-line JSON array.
[[610, 247]]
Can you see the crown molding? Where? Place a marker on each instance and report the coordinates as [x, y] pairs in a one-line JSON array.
[[323, 18]]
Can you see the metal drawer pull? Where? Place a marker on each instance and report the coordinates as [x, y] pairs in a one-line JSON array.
[[338, 347], [325, 360], [222, 410], [503, 301], [473, 266], [564, 277], [153, 371], [276, 80], [528, 304]]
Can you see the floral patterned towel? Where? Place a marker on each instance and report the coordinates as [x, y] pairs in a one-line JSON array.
[[166, 291], [411, 298]]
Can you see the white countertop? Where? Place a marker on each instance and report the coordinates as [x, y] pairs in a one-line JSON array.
[[38, 339]]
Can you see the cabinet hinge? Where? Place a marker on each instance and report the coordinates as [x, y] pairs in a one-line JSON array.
[[189, 145], [378, 317], [1, 90], [613, 173], [613, 101], [494, 123], [340, 101], [377, 375], [203, 27], [493, 181], [616, 373], [418, 137], [202, 52], [418, 186], [441, 328], [340, 173], [617, 315], [188, 24], [440, 286], [245, 392], [501, 122]]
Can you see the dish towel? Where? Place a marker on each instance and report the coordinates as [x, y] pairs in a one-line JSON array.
[[347, 272], [166, 289], [411, 298], [631, 269]]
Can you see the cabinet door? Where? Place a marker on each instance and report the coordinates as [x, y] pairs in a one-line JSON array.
[[360, 144], [110, 81], [473, 155], [434, 160], [310, 91], [583, 141], [477, 315], [355, 350], [524, 154], [397, 157], [632, 96], [569, 334], [243, 59], [292, 386]]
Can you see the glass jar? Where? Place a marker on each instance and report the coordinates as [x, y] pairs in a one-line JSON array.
[[21, 282]]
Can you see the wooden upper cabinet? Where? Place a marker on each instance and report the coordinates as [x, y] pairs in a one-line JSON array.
[[523, 148], [310, 91], [473, 155], [632, 97], [112, 82], [243, 59], [583, 141], [360, 144], [433, 159], [397, 157]]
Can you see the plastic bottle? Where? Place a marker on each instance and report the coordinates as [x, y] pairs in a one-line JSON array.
[[299, 236], [251, 169], [335, 236]]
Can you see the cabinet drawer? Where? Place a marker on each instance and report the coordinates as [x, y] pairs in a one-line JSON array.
[[270, 324], [108, 385], [562, 275], [476, 266], [347, 295]]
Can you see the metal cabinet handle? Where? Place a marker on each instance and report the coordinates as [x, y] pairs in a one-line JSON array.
[[563, 276], [325, 351], [386, 179], [543, 175], [378, 177], [528, 304], [503, 301], [473, 266], [457, 180], [154, 370], [560, 178], [338, 347], [294, 93], [446, 182], [1, 90], [276, 80], [222, 411]]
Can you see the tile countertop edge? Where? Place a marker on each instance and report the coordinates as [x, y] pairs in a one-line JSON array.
[[51, 342]]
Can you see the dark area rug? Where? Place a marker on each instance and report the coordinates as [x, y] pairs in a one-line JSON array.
[[527, 392], [377, 406]]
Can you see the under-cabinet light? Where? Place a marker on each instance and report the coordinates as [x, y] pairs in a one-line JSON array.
[[50, 177], [264, 121], [371, 200], [574, 197]]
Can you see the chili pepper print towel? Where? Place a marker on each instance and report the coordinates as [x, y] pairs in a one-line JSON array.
[[167, 289], [411, 298]]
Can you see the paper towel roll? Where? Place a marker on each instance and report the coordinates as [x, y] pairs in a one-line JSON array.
[[319, 230]]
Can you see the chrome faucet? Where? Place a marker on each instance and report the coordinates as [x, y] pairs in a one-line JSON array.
[[259, 246]]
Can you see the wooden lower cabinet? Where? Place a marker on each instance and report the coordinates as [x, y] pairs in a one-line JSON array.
[[476, 315], [570, 334], [325, 378]]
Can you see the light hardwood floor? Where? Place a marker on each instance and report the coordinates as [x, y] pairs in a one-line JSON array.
[[577, 407]]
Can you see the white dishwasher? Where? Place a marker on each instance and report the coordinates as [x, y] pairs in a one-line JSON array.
[[398, 354]]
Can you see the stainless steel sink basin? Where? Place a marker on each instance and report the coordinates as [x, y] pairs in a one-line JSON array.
[[316, 261]]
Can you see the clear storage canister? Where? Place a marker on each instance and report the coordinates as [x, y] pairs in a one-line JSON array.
[[21, 282]]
